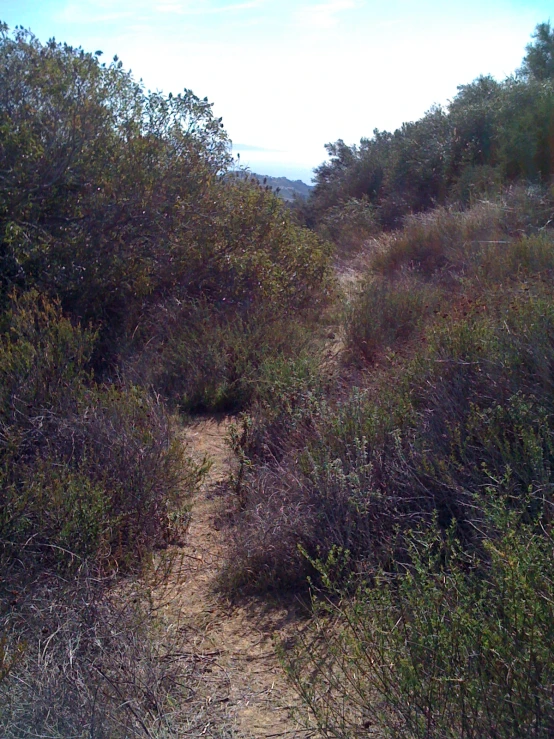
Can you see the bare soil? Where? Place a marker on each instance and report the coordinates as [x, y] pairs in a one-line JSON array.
[[241, 690]]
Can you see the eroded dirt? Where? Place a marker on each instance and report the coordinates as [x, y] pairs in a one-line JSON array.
[[241, 690]]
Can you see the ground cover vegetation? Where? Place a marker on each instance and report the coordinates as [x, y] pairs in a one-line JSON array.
[[414, 490], [136, 281], [409, 480]]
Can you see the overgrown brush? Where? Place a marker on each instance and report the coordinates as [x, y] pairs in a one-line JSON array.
[[434, 241], [349, 224], [92, 479], [444, 261], [452, 241], [88, 471], [446, 646], [263, 537], [470, 411], [93, 656], [314, 488], [421, 508], [256, 297]]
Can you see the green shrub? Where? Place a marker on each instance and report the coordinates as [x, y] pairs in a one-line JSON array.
[[440, 239], [386, 314], [510, 261], [208, 358], [86, 471], [455, 241], [272, 515], [116, 202], [349, 224], [483, 392], [446, 646], [105, 188], [260, 257], [264, 284], [477, 182]]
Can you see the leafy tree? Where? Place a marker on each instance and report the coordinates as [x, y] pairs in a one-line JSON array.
[[473, 118], [100, 182], [525, 129], [538, 63], [492, 133], [415, 176]]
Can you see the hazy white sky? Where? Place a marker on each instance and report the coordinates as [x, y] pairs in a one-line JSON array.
[[289, 76]]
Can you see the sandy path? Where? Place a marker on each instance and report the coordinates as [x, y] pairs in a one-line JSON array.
[[242, 689]]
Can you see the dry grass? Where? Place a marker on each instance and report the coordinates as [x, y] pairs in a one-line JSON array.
[[96, 658]]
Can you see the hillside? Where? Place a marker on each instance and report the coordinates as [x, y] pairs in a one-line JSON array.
[[273, 468], [283, 187]]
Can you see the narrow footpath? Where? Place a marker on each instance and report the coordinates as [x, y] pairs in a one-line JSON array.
[[241, 691]]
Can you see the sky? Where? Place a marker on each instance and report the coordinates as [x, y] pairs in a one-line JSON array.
[[289, 76]]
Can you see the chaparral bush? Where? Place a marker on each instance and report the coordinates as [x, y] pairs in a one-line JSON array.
[[87, 471]]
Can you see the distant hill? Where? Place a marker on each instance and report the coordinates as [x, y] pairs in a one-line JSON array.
[[283, 187], [287, 189]]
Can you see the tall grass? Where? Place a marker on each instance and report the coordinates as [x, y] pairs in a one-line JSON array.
[[387, 314]]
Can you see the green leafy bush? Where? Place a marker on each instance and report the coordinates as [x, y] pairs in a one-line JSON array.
[[114, 201], [264, 285], [225, 372], [445, 646], [104, 187], [86, 471]]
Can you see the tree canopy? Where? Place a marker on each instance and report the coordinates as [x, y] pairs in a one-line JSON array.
[[491, 133]]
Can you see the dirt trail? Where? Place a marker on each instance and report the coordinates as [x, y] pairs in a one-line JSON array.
[[242, 689]]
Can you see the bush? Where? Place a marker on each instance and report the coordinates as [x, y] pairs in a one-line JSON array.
[[216, 361], [446, 646], [106, 196], [318, 488], [272, 515], [86, 471], [477, 182], [205, 358], [264, 285], [92, 656], [386, 314], [114, 201], [349, 224]]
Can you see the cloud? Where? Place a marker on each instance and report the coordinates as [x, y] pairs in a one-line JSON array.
[[102, 11], [249, 147], [323, 15], [88, 12], [176, 7]]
